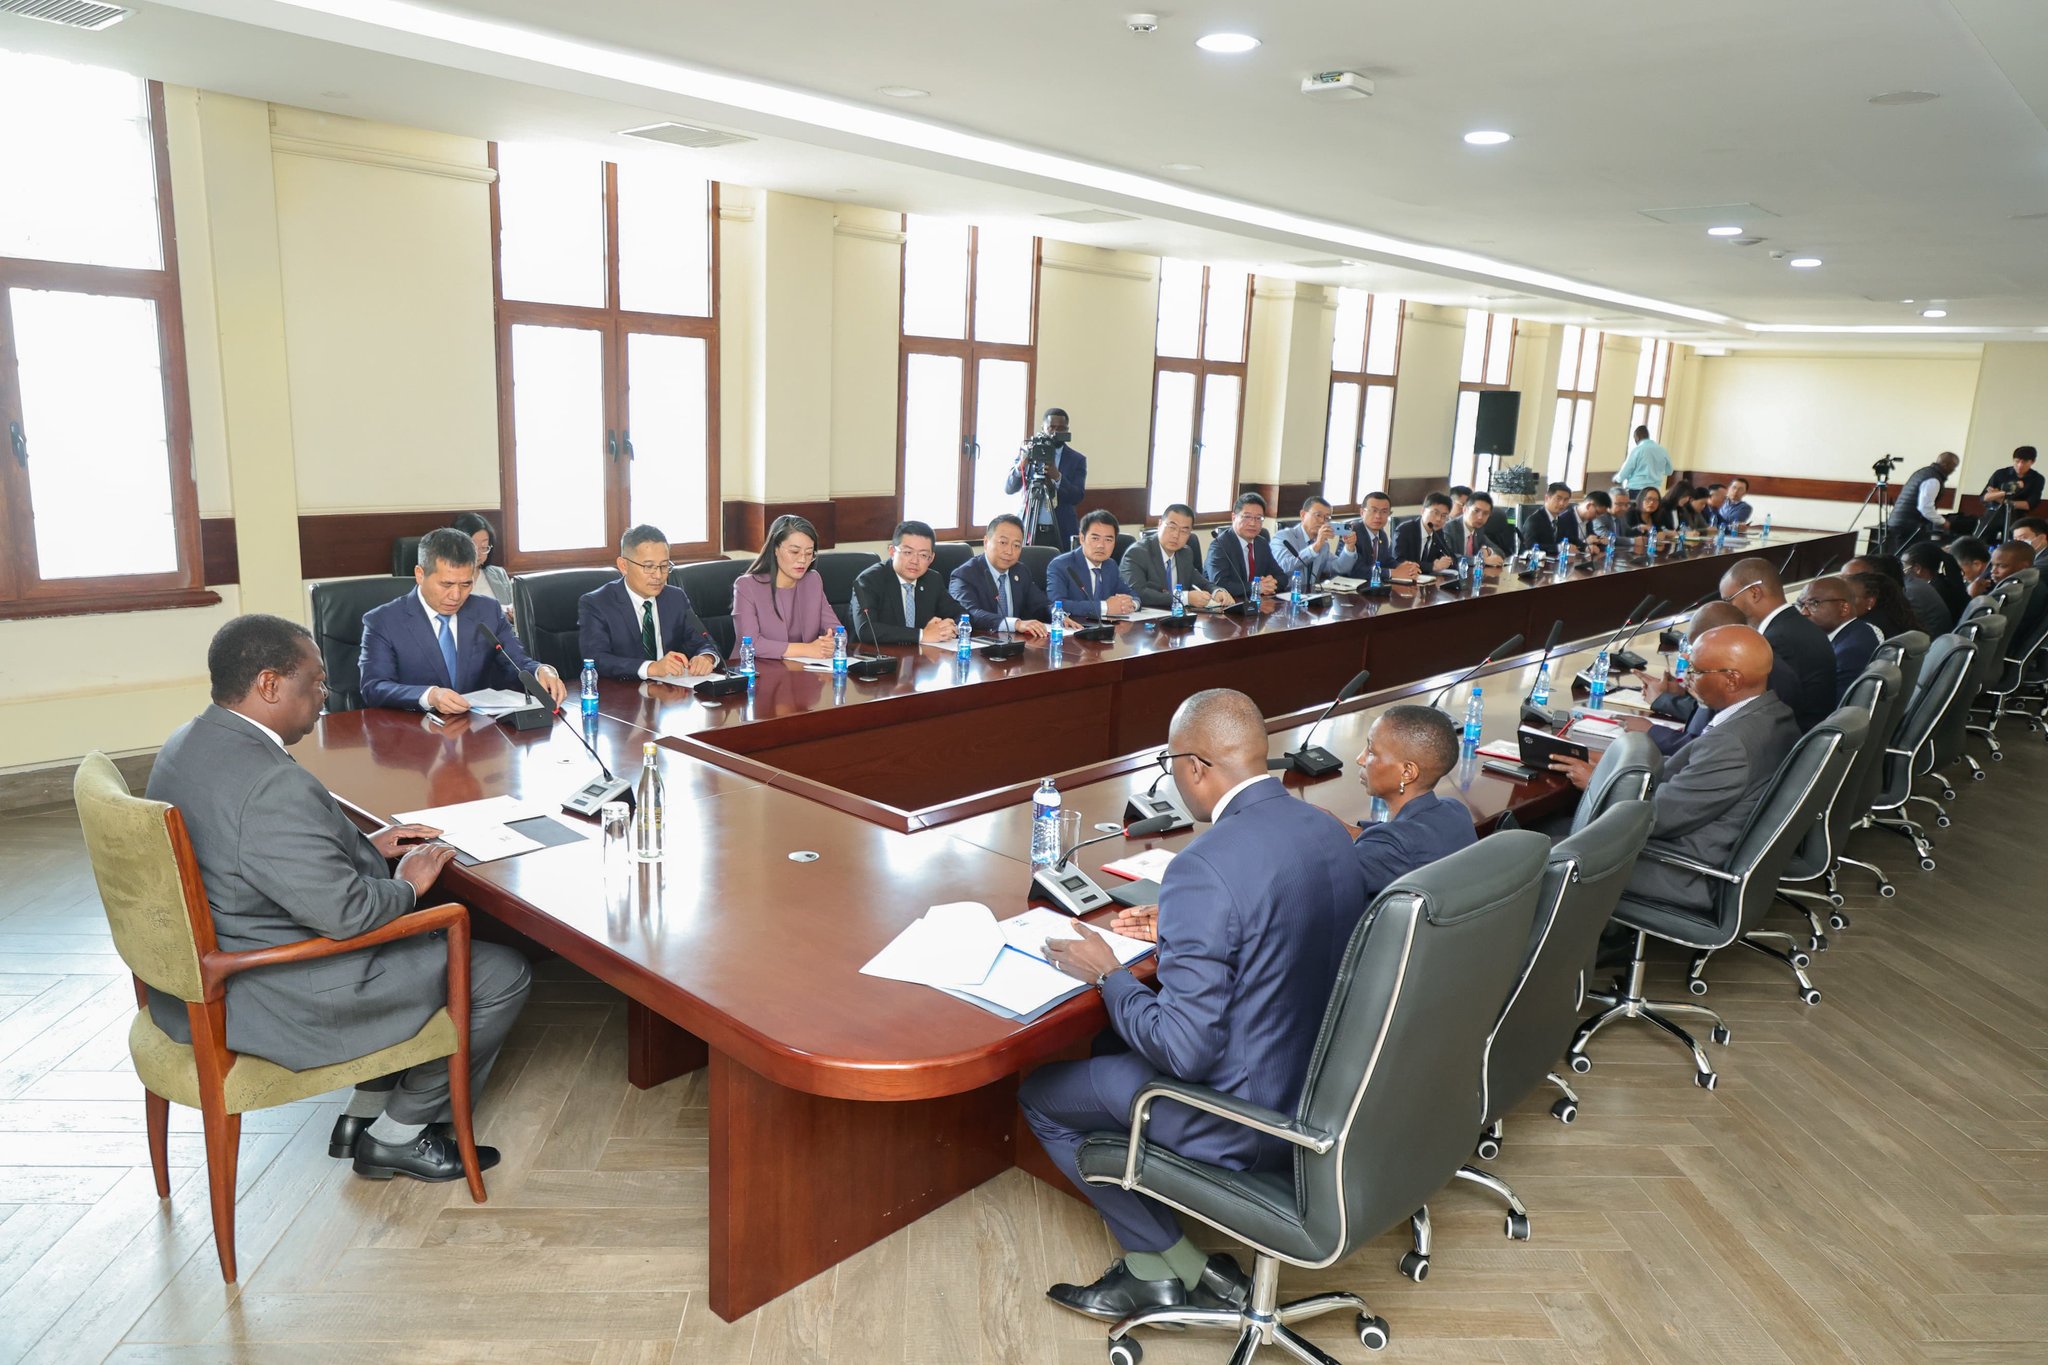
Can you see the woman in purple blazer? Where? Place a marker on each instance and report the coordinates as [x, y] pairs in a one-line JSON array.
[[779, 601]]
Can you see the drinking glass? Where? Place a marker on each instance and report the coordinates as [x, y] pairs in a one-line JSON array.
[[1070, 830]]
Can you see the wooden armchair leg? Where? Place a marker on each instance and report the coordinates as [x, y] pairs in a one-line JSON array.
[[465, 1126], [157, 1116], [223, 1149]]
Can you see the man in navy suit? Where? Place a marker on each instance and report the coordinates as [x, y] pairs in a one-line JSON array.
[[999, 596], [1541, 528], [1087, 580], [1068, 477], [1252, 921], [900, 601], [1836, 604], [1243, 553], [1376, 539], [424, 650], [1427, 540], [640, 625]]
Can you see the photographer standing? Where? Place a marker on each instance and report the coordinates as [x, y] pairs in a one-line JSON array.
[[1914, 514], [1053, 475]]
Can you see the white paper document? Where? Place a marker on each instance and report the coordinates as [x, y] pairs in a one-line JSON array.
[[497, 701], [1141, 866], [478, 828], [1144, 614], [1030, 931], [953, 645], [685, 680], [1343, 584], [960, 949]]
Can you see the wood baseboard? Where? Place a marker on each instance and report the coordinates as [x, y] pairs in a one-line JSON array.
[[49, 788]]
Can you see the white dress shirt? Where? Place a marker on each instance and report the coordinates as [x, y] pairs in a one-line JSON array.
[[636, 599], [1223, 802], [1725, 712]]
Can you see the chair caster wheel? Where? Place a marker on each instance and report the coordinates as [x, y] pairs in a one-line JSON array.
[[1565, 1110], [1927, 864], [1838, 922], [1126, 1352], [1941, 822], [1698, 985], [1721, 1035], [1705, 1080], [1581, 1063], [1980, 774], [1809, 996], [1488, 1149], [1801, 961], [1835, 899], [1415, 1266], [1372, 1332], [1817, 944], [1998, 758], [1948, 794], [1888, 891], [1518, 1227]]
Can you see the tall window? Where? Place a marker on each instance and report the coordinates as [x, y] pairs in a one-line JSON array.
[[1653, 374], [1488, 360], [1198, 385], [969, 356], [607, 354], [1578, 374], [97, 505], [1364, 357]]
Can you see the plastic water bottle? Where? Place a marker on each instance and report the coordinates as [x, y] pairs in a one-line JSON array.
[[1045, 825], [747, 657], [1651, 549], [1180, 600], [1475, 718], [839, 651], [1478, 572], [590, 687], [1294, 589], [1767, 526], [1058, 636], [1255, 594], [963, 638], [1379, 810], [1679, 664], [1539, 695], [648, 834], [1535, 558], [1609, 562], [1598, 701], [1377, 581]]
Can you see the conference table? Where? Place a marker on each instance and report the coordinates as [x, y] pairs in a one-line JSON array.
[[811, 819]]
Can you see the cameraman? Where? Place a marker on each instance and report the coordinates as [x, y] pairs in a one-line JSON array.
[[2010, 493], [1913, 515], [1066, 478]]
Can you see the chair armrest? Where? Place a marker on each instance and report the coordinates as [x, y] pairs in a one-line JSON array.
[[216, 967], [1256, 1117], [1670, 859]]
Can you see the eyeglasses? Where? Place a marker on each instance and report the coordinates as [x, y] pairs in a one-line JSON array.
[[662, 567], [1164, 758], [1730, 599], [908, 552], [1806, 603], [1695, 674]]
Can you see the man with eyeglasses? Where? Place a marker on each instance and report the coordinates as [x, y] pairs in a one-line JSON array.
[[640, 626], [426, 649], [1253, 917], [1805, 675], [1154, 565], [1831, 603], [900, 601]]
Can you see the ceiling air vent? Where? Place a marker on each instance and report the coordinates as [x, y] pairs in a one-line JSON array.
[[71, 13], [1091, 216], [677, 134]]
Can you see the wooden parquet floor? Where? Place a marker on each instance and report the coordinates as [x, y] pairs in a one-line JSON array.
[[1869, 1183]]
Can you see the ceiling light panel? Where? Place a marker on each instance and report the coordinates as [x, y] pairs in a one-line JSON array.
[[1230, 44]]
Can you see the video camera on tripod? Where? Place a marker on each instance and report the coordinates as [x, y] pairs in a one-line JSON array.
[[1884, 467], [1041, 454]]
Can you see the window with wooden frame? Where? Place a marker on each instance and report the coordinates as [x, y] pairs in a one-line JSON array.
[[607, 288], [1578, 374], [1653, 376], [1198, 376], [969, 361], [98, 510], [1365, 356], [1488, 360]]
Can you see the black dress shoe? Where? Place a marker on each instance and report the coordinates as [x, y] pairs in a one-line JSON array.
[[1118, 1294], [341, 1143], [1222, 1285], [487, 1157], [432, 1157]]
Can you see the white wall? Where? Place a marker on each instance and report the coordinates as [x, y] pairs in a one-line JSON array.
[[1096, 315]]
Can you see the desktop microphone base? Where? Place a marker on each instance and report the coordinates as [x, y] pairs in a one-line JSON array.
[[528, 718], [1003, 650], [1149, 805], [1628, 659], [598, 792], [1070, 889], [1315, 761], [867, 670], [1540, 718]]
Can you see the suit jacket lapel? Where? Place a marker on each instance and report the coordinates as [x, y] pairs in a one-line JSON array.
[[424, 633]]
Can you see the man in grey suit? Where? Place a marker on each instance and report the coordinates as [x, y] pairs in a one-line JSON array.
[[1155, 563], [283, 862], [1711, 785]]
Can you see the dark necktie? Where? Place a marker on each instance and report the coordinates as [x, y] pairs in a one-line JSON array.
[[1003, 585], [649, 643], [1251, 565], [1471, 542]]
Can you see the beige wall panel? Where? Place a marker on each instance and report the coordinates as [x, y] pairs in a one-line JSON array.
[[1096, 315]]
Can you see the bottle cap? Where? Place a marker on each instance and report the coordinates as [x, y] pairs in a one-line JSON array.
[[647, 749]]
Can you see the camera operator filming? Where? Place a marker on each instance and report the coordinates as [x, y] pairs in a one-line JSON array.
[[1052, 476], [1914, 514]]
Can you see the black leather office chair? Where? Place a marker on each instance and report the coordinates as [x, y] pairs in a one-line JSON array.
[[838, 569], [1582, 880], [545, 607], [2016, 592], [1033, 561], [710, 588], [1626, 772], [949, 555], [338, 609], [1948, 664], [1734, 897], [1904, 652], [1387, 1110], [1988, 629], [405, 556], [1876, 692]]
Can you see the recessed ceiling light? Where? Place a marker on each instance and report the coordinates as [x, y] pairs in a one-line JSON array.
[[1226, 42], [1803, 262], [1934, 312], [1905, 300], [1180, 166], [1905, 97], [1724, 232], [1488, 137], [901, 92]]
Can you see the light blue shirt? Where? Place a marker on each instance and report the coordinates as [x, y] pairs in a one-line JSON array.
[[1290, 551], [1647, 466], [1732, 514]]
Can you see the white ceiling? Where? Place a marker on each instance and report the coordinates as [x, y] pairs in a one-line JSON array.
[[1617, 108]]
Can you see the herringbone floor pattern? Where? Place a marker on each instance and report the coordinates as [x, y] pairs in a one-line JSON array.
[[1869, 1183]]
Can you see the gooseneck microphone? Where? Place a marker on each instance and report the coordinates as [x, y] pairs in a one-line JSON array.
[[879, 665], [1628, 658], [525, 718], [1312, 760], [1532, 714], [588, 798], [1137, 829], [1073, 890], [1507, 646]]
